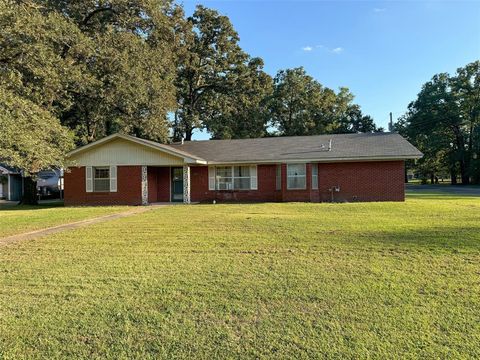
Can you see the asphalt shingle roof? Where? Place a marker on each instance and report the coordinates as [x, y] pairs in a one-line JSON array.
[[315, 148]]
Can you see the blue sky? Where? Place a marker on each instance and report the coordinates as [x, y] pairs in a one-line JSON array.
[[382, 51]]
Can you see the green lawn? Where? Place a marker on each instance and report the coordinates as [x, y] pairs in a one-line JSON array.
[[20, 219], [377, 280]]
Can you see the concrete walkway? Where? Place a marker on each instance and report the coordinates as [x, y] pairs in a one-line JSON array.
[[74, 225]]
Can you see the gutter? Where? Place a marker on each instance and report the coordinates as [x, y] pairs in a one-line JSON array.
[[329, 160]]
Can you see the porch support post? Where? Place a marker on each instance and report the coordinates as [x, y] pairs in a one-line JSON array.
[[186, 184], [9, 188], [144, 186]]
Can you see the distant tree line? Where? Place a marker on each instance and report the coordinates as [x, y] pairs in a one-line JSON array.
[[444, 123], [72, 72]]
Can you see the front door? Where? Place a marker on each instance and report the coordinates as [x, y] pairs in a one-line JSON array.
[[177, 184]]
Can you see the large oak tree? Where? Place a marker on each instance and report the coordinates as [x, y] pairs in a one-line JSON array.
[[218, 85], [444, 123], [300, 105]]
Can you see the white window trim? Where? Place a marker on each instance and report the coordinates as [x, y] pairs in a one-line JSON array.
[[252, 176], [315, 176], [212, 178], [297, 176], [89, 179], [278, 177], [113, 178], [93, 179]]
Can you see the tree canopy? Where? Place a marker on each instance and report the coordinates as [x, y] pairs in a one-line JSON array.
[[32, 139], [81, 70], [300, 105], [444, 123], [98, 67], [219, 86]]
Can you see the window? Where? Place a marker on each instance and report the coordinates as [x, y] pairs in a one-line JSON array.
[[314, 176], [101, 179], [241, 177], [224, 178], [233, 178], [296, 176], [278, 183]]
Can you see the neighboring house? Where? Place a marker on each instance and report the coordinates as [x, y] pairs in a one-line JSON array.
[[50, 183], [122, 169], [10, 183]]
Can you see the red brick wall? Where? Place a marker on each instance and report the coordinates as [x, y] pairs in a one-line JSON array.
[[129, 189], [163, 184], [266, 175], [298, 195], [152, 178], [158, 184], [363, 181]]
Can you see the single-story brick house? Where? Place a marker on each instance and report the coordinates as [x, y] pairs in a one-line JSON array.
[[122, 169]]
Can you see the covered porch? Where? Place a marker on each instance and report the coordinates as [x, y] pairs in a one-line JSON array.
[[166, 184]]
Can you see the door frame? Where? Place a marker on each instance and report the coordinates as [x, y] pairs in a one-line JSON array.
[[172, 190]]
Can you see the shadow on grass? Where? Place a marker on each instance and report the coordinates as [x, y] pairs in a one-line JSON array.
[[14, 207]]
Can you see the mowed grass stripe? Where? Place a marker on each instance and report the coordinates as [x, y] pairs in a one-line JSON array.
[[380, 280], [22, 219]]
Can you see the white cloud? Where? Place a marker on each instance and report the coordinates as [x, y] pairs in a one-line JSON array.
[[323, 48], [379, 10]]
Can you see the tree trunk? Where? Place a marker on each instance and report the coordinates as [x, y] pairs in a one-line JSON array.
[[463, 161], [464, 173], [453, 177], [29, 191], [432, 178], [188, 134]]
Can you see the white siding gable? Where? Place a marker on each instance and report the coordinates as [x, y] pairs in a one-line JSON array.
[[124, 152]]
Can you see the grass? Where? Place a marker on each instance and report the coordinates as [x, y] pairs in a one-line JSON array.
[[20, 219], [376, 280]]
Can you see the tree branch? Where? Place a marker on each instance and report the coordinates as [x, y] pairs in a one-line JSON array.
[[96, 11]]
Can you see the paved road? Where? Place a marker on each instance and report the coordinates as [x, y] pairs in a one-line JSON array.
[[444, 189]]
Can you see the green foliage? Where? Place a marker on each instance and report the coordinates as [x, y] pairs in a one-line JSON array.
[[219, 86], [241, 112], [99, 67], [129, 65], [444, 123], [274, 281], [32, 139], [300, 105]]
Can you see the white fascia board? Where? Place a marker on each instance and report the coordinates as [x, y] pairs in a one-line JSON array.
[[194, 161], [329, 160], [4, 171]]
